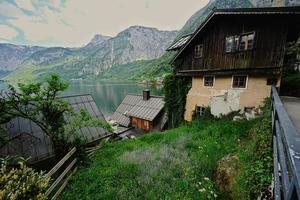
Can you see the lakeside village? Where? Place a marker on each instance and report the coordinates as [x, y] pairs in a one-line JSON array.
[[230, 64]]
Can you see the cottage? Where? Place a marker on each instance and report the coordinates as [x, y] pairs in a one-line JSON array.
[[234, 57], [29, 141], [141, 111]]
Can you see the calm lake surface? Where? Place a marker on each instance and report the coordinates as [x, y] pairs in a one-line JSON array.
[[107, 95]]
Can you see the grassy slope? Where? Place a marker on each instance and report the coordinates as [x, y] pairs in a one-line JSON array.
[[166, 165], [29, 72]]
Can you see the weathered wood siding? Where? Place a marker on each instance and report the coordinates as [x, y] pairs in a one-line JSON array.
[[268, 50], [143, 124]]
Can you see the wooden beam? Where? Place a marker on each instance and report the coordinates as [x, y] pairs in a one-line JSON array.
[[61, 162], [58, 180], [63, 186]]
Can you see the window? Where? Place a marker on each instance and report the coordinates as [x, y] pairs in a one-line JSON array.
[[272, 81], [198, 51], [200, 110], [209, 81], [231, 44], [246, 41], [239, 42], [239, 81]]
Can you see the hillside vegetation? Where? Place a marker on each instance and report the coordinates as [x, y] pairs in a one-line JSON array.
[[182, 163]]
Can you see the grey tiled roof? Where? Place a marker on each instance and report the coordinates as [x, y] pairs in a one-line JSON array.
[[127, 104], [30, 141], [134, 105], [147, 110]]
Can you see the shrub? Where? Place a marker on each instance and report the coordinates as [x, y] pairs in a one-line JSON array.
[[255, 160], [22, 183]]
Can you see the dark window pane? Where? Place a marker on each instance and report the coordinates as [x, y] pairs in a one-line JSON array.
[[239, 81], [208, 81], [272, 81], [198, 51]]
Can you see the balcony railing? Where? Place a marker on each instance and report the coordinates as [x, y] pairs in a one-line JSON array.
[[286, 150]]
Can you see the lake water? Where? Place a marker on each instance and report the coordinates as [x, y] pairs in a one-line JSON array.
[[107, 95]]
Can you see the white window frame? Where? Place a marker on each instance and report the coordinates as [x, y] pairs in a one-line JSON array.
[[246, 43], [214, 80], [201, 113], [235, 88]]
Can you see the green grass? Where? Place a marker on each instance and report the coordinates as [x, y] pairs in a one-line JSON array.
[[168, 165], [29, 72]]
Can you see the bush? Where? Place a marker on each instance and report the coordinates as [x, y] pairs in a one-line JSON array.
[[22, 183], [255, 160]]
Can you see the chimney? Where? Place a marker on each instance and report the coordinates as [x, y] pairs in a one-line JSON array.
[[146, 95]]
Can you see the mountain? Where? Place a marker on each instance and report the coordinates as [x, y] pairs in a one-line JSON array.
[[133, 44], [99, 55], [11, 56], [48, 56], [97, 40], [275, 3]]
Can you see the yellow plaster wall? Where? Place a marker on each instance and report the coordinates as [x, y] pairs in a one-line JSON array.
[[252, 96]]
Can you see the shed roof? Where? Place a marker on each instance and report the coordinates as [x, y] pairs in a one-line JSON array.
[[134, 105], [294, 11], [28, 140]]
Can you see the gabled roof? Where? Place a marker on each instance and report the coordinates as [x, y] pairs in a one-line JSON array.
[[28, 140], [147, 110], [134, 105], [238, 11], [127, 104]]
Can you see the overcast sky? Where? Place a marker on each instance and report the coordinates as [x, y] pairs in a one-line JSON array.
[[74, 22]]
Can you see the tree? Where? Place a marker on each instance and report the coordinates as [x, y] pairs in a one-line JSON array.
[[40, 103]]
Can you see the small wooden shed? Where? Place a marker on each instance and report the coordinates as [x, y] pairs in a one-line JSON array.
[[142, 111]]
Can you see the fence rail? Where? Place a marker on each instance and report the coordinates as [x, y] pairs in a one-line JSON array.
[[54, 191], [63, 170], [286, 152]]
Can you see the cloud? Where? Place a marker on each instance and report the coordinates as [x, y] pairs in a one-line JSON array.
[[6, 32], [74, 22], [9, 10], [25, 4]]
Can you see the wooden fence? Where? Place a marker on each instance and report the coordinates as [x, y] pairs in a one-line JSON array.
[[286, 150], [62, 172]]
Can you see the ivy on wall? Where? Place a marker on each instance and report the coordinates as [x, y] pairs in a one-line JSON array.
[[175, 90]]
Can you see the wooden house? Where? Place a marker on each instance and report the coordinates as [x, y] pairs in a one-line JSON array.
[[29, 141], [141, 111], [234, 57]]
